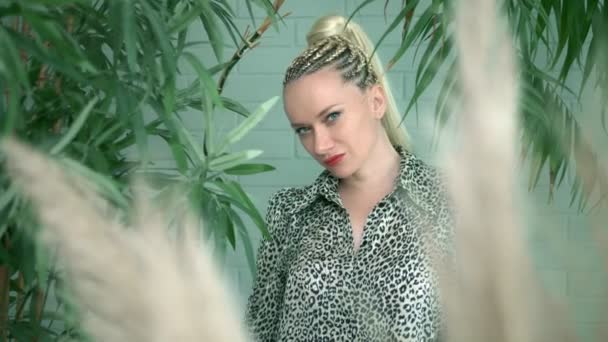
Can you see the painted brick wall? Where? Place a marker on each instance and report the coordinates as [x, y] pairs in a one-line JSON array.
[[563, 250]]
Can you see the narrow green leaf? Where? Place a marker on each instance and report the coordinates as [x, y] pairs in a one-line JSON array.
[[248, 124], [235, 107], [357, 9], [547, 77], [270, 12], [426, 78], [211, 27], [444, 50], [185, 18], [162, 37], [574, 191], [226, 7], [562, 28], [232, 159], [542, 12], [141, 136], [442, 106], [3, 228], [42, 265], [62, 42], [13, 77], [123, 102], [207, 84], [130, 33], [249, 169], [75, 128], [115, 23], [106, 134], [235, 194], [37, 50], [417, 31], [412, 4], [227, 17], [229, 232], [208, 95], [537, 168], [246, 239], [177, 150], [250, 11], [192, 144], [60, 2], [7, 197], [10, 64], [10, 121]]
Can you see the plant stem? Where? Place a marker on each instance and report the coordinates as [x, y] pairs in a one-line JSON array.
[[248, 44], [407, 21], [21, 297], [39, 302], [4, 294]]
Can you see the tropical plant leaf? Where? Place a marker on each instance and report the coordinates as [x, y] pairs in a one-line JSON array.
[[75, 128], [231, 160], [249, 169], [245, 238], [235, 107], [248, 124], [209, 21], [233, 192]]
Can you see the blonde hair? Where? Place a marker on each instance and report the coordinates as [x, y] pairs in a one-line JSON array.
[[336, 25], [337, 51]]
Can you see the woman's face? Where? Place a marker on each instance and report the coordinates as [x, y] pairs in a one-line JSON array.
[[337, 122]]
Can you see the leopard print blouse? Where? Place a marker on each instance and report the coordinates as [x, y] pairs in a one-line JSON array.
[[312, 286]]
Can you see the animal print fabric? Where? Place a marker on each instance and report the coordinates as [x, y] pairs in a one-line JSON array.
[[312, 286]]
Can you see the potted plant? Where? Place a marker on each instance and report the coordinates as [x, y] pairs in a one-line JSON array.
[[89, 83]]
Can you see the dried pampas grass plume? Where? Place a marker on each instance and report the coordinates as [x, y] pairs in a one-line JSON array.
[[135, 284], [493, 295]]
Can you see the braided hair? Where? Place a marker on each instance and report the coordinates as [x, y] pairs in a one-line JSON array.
[[338, 51]]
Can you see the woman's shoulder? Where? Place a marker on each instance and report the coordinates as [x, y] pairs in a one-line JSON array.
[[423, 173], [285, 199], [426, 182], [285, 202]]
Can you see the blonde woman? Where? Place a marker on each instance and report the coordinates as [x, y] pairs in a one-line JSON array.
[[350, 255], [334, 24]]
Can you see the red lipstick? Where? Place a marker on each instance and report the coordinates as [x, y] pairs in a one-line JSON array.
[[334, 160]]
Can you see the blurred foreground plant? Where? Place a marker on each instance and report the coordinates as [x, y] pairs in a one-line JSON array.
[[90, 82]]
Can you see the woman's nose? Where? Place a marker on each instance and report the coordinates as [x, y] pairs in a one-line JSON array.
[[323, 141]]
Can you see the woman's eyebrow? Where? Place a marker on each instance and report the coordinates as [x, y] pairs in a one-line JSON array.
[[320, 113]]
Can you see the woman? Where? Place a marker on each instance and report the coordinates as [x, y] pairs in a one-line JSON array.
[[350, 255]]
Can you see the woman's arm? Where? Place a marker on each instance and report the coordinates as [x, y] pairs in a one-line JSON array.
[[266, 301]]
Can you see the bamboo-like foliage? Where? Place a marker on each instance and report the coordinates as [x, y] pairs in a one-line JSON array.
[[90, 82], [555, 39]]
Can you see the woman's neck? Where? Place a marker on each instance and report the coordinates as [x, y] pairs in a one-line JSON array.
[[378, 172]]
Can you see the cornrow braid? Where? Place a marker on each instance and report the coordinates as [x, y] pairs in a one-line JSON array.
[[338, 51]]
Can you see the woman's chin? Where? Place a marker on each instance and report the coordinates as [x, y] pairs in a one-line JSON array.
[[338, 172]]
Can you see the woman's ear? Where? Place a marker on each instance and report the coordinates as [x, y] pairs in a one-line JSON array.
[[377, 101]]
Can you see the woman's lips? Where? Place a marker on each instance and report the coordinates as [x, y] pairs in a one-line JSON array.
[[334, 160]]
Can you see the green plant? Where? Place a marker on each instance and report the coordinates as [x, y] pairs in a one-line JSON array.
[[555, 38], [89, 82]]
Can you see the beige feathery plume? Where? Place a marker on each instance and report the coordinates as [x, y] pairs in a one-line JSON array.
[[134, 284], [494, 295]]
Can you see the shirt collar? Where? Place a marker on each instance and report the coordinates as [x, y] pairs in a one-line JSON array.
[[326, 184]]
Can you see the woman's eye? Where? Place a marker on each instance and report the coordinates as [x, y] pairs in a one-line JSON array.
[[333, 116], [301, 130]]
